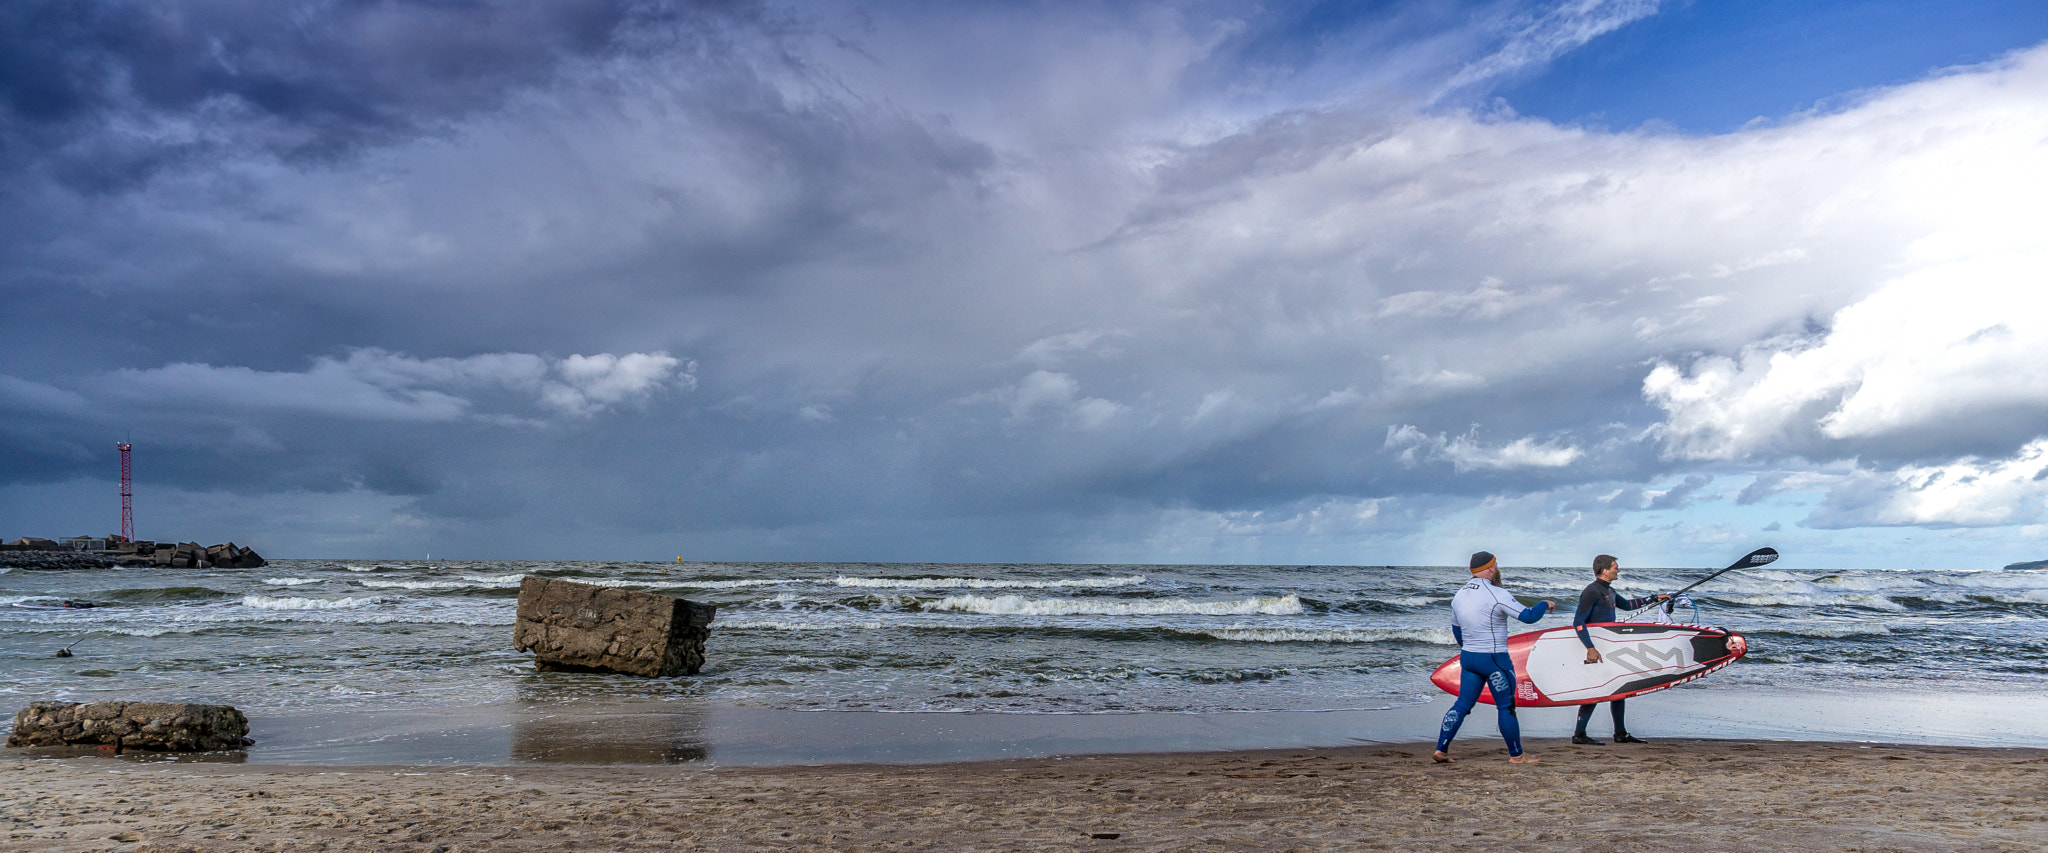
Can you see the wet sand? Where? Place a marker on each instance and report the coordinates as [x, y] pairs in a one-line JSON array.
[[1707, 795]]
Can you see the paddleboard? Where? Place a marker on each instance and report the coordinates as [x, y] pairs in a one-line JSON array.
[[1636, 658], [26, 605]]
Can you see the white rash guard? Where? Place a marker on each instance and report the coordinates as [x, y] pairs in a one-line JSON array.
[[1481, 613]]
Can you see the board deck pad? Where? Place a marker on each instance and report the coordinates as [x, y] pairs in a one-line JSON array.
[[1636, 658]]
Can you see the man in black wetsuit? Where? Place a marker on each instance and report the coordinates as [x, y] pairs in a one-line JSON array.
[[1598, 604]]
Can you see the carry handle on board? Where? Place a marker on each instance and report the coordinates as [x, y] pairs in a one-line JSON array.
[[1758, 557]]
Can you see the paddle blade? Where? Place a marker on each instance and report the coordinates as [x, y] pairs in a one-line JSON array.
[[1758, 557]]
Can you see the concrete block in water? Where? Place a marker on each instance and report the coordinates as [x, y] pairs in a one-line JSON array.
[[164, 726], [580, 627]]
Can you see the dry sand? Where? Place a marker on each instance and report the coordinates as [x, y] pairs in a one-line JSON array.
[[1707, 796]]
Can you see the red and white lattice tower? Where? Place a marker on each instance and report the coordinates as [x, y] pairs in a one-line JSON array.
[[127, 494]]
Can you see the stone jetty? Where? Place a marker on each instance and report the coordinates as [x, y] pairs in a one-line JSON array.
[[580, 627], [82, 552]]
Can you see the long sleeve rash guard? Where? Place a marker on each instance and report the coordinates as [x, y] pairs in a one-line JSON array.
[[1480, 613]]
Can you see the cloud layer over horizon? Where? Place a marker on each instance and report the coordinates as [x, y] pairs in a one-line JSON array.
[[1202, 283]]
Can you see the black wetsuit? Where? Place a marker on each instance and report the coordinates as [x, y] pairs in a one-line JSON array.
[[1598, 604]]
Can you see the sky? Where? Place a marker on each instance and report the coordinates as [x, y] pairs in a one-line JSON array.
[[1137, 282]]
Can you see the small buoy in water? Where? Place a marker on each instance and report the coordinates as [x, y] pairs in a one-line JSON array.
[[63, 653]]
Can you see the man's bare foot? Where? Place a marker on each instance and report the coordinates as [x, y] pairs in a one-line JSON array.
[[1441, 757], [1523, 759]]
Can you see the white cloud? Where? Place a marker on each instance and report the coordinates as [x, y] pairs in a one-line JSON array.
[[374, 384], [1466, 453], [593, 383], [1946, 344], [1970, 492]]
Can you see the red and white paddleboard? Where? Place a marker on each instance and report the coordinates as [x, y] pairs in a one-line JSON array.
[[1636, 657]]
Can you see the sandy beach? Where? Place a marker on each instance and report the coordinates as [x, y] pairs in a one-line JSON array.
[[1707, 795]]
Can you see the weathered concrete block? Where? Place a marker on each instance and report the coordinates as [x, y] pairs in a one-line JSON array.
[[582, 627], [165, 726]]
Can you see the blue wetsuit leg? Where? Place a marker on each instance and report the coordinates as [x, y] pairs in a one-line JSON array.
[[1497, 673], [1469, 683]]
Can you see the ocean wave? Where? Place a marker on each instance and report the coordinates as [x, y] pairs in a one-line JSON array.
[[1829, 631], [290, 581], [161, 593], [416, 585], [1241, 634], [1800, 599], [736, 584], [797, 601], [265, 602], [775, 625], [985, 583], [1410, 600], [1017, 605], [466, 582]]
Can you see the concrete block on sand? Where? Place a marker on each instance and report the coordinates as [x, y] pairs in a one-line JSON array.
[[580, 627], [163, 726]]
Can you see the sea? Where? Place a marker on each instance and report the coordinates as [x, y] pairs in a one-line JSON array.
[[1021, 658]]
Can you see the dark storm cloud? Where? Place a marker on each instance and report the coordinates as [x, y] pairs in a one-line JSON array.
[[108, 93]]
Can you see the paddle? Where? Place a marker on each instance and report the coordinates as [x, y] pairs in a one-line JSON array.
[[1758, 557]]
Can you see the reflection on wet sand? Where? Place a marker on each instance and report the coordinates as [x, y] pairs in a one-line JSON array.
[[228, 756], [552, 734]]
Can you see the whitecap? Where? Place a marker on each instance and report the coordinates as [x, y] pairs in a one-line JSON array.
[[265, 602], [290, 581], [467, 582], [1008, 605], [1830, 631], [1405, 600], [985, 583], [738, 584], [773, 625], [1236, 633], [416, 584], [1795, 599]]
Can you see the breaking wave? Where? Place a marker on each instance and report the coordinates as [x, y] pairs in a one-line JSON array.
[[738, 584], [290, 581], [1234, 633], [466, 582], [265, 602], [985, 583], [775, 625], [1017, 605], [1828, 631]]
